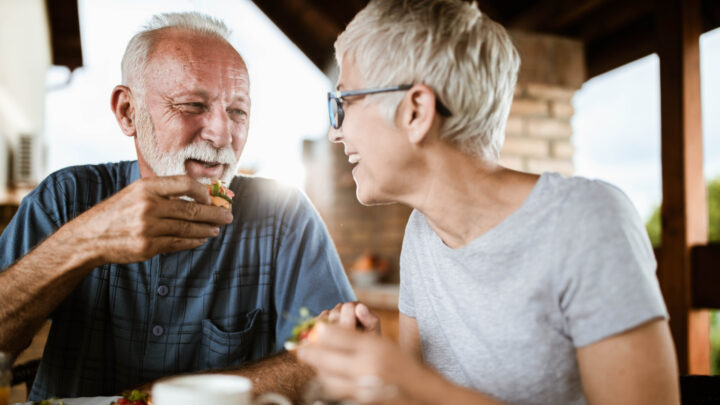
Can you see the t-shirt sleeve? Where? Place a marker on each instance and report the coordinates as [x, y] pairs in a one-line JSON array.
[[30, 226], [408, 263], [309, 271], [608, 283]]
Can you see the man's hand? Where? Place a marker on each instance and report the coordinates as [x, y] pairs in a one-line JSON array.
[[145, 219], [353, 315]]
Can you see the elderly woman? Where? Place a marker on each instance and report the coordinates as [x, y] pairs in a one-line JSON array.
[[515, 288]]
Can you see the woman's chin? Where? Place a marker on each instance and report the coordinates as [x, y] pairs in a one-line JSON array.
[[368, 198]]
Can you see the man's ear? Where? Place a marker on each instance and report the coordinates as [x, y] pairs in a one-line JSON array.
[[417, 112], [123, 106]]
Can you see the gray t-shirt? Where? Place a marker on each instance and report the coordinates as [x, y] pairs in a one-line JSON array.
[[505, 314]]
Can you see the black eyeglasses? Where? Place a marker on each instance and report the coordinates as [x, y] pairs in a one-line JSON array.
[[335, 101]]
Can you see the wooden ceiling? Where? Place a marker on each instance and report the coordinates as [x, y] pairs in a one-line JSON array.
[[614, 32], [64, 33]]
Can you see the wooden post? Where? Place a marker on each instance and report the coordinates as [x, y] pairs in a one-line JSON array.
[[684, 207]]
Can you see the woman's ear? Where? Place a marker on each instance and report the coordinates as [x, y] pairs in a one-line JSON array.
[[123, 106], [417, 112]]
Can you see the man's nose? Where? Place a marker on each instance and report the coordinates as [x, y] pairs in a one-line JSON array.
[[217, 128]]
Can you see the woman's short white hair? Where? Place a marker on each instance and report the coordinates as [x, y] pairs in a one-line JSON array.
[[467, 59], [142, 44]]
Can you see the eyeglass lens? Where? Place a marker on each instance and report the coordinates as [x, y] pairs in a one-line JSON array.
[[336, 112]]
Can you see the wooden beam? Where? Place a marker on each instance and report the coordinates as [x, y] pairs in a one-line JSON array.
[[551, 16], [573, 12], [64, 33], [614, 18], [684, 209], [706, 276], [309, 29], [533, 18], [627, 45]]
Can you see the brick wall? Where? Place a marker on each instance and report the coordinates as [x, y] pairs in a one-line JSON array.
[[538, 139], [538, 136], [355, 229]]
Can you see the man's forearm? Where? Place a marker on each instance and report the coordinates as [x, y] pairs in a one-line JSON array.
[[34, 286], [280, 373]]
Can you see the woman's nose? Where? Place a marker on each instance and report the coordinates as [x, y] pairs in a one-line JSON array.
[[335, 135]]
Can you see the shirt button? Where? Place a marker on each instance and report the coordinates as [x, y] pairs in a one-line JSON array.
[[158, 330], [162, 290]]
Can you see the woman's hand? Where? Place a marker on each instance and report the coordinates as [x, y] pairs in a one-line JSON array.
[[353, 315], [359, 366]]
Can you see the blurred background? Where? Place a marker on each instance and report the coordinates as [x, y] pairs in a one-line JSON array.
[[575, 112]]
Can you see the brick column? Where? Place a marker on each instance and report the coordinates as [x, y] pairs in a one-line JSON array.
[[355, 229], [538, 136]]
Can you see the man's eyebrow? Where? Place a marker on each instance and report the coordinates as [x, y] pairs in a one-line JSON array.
[[200, 93], [205, 95], [242, 98]]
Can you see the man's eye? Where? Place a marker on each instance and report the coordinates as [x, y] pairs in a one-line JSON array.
[[236, 112], [193, 107]]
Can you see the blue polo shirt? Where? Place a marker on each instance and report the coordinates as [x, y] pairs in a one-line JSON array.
[[232, 300]]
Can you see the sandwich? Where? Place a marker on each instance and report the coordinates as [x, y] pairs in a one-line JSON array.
[[304, 330], [220, 195]]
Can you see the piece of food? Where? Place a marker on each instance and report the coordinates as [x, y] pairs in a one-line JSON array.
[[49, 401], [134, 397], [303, 331], [220, 195]]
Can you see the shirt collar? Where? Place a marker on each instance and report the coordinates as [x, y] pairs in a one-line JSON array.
[[134, 172]]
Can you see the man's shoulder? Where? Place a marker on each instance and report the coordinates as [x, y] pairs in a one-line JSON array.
[[106, 178], [251, 189]]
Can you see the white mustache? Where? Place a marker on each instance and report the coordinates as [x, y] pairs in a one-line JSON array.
[[207, 153]]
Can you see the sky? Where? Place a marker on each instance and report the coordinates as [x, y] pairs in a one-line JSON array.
[[616, 124]]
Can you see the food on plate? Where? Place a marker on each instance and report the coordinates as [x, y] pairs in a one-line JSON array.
[[49, 401], [134, 397], [304, 330], [220, 195]]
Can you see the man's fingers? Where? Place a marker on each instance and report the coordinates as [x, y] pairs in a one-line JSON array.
[[183, 229], [167, 244], [192, 211], [175, 186]]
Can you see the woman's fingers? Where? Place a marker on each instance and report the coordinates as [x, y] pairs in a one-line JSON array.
[[325, 359], [369, 321], [347, 316]]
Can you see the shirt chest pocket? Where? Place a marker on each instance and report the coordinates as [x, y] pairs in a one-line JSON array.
[[229, 346]]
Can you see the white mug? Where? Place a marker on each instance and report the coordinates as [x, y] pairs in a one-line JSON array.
[[210, 389]]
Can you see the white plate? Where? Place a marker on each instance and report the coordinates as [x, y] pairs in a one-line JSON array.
[[85, 401]]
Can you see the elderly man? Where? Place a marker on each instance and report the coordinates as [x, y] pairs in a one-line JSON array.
[[141, 283]]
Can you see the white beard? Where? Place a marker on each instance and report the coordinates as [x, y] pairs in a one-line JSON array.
[[173, 163]]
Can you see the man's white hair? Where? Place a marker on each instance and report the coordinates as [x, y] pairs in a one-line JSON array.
[[467, 59], [141, 45]]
